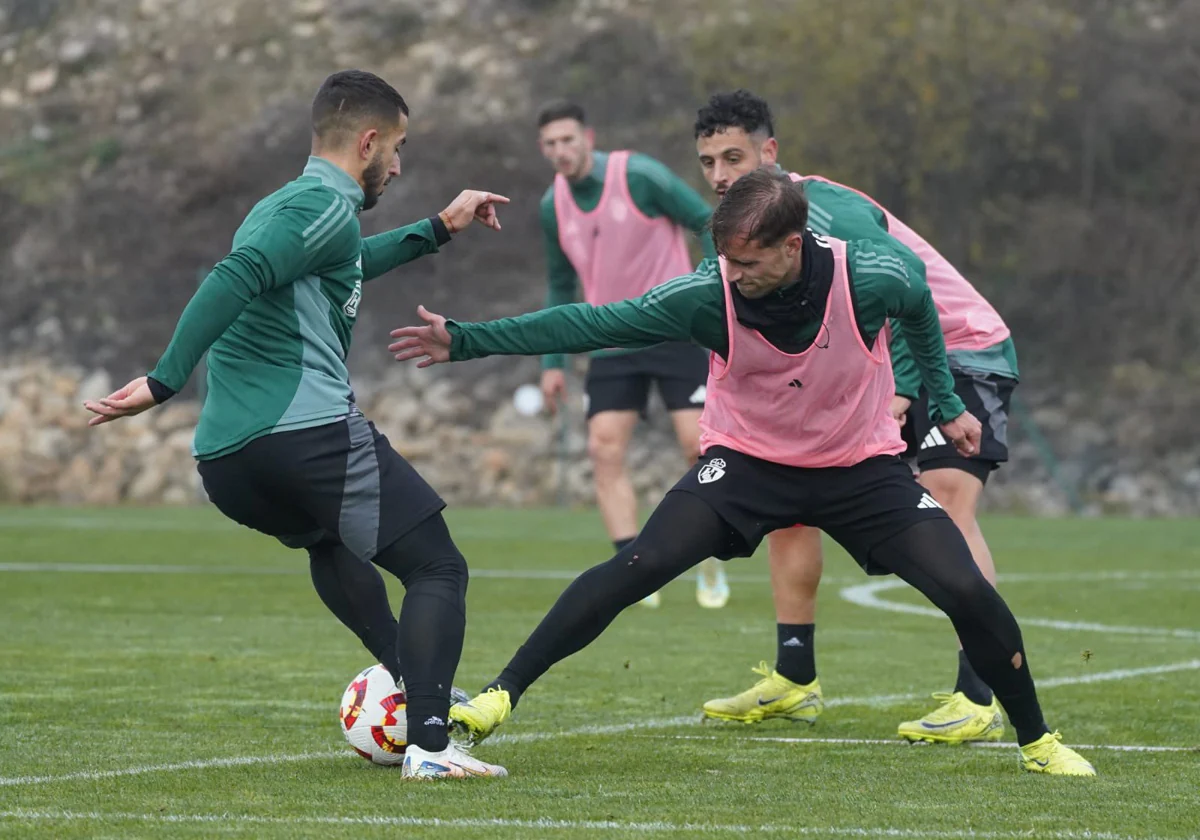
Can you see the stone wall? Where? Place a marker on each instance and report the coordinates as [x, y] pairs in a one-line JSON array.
[[471, 444], [475, 451]]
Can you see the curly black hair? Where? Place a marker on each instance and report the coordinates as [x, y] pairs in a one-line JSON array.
[[739, 109]]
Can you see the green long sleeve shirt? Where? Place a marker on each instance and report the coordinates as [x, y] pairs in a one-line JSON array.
[[887, 281], [657, 192], [276, 314], [844, 214]]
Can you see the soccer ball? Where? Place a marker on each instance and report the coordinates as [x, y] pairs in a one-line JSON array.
[[373, 716]]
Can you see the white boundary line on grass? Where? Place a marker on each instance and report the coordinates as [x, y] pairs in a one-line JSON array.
[[867, 595], [897, 742], [546, 824], [533, 737]]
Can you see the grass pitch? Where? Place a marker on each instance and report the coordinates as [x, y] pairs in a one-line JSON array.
[[166, 673]]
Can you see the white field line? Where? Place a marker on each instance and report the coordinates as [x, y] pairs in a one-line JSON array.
[[897, 742], [201, 764], [867, 595], [532, 737], [547, 824]]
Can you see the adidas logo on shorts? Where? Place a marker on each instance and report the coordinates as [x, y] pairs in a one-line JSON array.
[[928, 502], [934, 438]]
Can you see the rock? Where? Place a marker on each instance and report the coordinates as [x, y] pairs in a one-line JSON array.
[[176, 415], [304, 29], [309, 8], [95, 385], [10, 98], [74, 482], [42, 133], [151, 8], [41, 81], [74, 52], [151, 83], [149, 482]]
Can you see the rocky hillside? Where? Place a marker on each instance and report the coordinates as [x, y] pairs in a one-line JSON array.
[[1046, 147]]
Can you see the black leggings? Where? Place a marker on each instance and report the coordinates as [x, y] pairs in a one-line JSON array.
[[426, 643], [931, 555]]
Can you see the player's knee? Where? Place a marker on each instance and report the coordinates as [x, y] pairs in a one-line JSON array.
[[607, 451], [956, 491]]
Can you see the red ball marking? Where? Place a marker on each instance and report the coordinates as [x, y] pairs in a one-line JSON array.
[[385, 741]]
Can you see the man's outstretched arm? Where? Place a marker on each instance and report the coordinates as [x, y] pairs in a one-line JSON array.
[[688, 308]]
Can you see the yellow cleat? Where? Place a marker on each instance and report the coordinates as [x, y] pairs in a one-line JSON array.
[[956, 721], [480, 716], [1048, 755], [774, 696], [653, 600]]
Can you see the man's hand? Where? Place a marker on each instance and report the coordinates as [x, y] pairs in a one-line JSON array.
[[900, 407], [133, 399], [965, 432], [473, 205], [554, 387], [431, 341]]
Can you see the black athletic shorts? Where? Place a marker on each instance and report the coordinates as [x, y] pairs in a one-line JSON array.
[[342, 481], [622, 382], [859, 506], [988, 397]]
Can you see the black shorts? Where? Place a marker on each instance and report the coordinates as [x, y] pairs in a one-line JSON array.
[[622, 382], [988, 397], [859, 506], [341, 481]]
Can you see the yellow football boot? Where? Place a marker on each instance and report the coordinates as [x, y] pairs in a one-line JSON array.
[[956, 721], [480, 716], [773, 696], [1049, 755]]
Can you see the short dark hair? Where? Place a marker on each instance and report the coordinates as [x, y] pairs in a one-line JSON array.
[[560, 109], [349, 99], [761, 206], [739, 109]]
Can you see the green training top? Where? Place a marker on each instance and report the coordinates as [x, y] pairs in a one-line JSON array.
[[888, 282], [655, 189], [844, 214], [276, 314]]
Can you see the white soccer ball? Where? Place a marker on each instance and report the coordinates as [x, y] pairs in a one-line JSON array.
[[373, 716]]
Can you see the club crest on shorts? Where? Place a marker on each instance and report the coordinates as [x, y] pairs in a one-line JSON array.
[[712, 471]]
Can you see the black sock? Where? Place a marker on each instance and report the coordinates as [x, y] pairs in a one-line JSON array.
[[794, 657], [970, 684], [430, 629], [619, 544]]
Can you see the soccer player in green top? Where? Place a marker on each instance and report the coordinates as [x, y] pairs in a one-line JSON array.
[[735, 136], [613, 225], [797, 428], [281, 445]]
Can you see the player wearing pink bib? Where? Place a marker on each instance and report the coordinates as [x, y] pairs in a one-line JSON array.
[[734, 136], [797, 430], [614, 226]]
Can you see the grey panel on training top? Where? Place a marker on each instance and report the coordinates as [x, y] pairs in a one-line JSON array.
[[358, 524]]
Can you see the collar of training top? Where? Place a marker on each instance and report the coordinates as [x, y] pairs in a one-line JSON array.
[[336, 178], [797, 304]]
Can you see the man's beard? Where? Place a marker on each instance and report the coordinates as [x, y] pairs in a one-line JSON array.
[[375, 178]]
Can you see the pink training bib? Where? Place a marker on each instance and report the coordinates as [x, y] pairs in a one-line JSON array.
[[618, 252], [968, 321], [826, 407]]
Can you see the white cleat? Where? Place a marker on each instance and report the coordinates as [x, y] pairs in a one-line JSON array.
[[451, 763], [653, 600], [712, 587]]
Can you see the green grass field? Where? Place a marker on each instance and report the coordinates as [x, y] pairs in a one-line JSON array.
[[164, 673]]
